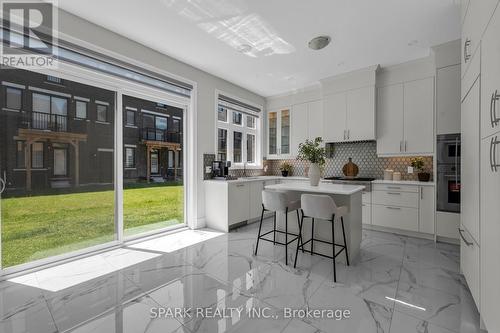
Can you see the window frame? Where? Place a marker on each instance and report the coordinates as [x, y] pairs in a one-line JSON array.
[[86, 109], [134, 158], [6, 100], [230, 127]]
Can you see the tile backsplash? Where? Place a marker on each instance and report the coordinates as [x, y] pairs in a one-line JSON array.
[[364, 154]]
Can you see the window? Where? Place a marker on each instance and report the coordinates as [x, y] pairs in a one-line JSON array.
[[250, 148], [170, 159], [250, 122], [161, 123], [41, 103], [81, 110], [176, 124], [222, 114], [37, 155], [13, 98], [237, 118], [237, 140], [130, 118], [102, 113], [129, 157], [20, 154], [222, 144]]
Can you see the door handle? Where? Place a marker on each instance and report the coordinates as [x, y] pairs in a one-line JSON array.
[[466, 45], [463, 238]]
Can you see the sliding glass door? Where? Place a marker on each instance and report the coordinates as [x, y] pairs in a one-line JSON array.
[[153, 177], [57, 162]]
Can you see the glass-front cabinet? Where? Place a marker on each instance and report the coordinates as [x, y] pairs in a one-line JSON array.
[[278, 134]]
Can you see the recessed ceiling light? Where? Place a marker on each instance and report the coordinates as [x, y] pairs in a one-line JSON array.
[[244, 48], [317, 43]]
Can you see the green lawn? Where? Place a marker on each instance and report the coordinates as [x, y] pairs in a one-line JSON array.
[[41, 226]]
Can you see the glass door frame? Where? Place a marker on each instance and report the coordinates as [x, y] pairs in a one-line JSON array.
[[121, 87]]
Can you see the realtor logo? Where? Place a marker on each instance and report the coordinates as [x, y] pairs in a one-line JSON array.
[[28, 34]]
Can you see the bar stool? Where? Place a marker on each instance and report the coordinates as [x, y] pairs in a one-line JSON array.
[[322, 207], [278, 201]]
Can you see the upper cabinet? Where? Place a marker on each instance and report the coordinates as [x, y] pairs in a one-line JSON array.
[[289, 127], [490, 78], [279, 133], [350, 115], [477, 16], [448, 100], [405, 120]]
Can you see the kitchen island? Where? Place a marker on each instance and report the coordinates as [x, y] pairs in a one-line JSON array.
[[344, 195]]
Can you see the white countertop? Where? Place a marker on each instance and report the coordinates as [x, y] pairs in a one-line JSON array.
[[324, 188], [403, 182]]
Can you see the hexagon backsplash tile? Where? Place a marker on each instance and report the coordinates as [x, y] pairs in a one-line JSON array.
[[364, 154]]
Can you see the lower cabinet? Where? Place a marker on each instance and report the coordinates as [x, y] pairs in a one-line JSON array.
[[366, 208], [404, 218], [404, 207], [470, 263], [238, 208]]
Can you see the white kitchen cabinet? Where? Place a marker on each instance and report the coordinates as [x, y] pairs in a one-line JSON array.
[[390, 119], [405, 120], [299, 126], [334, 110], [476, 20], [350, 115], [470, 146], [426, 210], [366, 207], [448, 100], [314, 119], [279, 134], [490, 78], [419, 116], [238, 198], [360, 119], [469, 265], [490, 231], [403, 218]]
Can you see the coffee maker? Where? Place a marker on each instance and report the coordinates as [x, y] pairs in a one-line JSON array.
[[220, 169]]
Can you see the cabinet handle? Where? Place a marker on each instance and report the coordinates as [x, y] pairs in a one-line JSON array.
[[394, 187], [466, 45], [348, 134], [463, 238], [240, 185], [394, 193], [421, 193], [493, 154], [401, 145], [393, 208], [493, 109]]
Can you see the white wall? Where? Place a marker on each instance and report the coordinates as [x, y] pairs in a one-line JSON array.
[[207, 85]]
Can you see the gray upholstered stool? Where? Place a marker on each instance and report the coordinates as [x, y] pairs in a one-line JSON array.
[[278, 201], [322, 207]]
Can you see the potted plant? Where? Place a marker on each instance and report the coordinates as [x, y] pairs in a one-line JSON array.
[[286, 169], [311, 151], [418, 164]]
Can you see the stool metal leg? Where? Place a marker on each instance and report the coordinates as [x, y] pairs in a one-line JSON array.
[[345, 243], [274, 229], [260, 227], [298, 243], [299, 240], [312, 236], [286, 236], [333, 249]]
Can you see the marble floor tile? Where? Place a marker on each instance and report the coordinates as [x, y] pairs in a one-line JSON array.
[[78, 303], [131, 317], [23, 307], [365, 316], [402, 323], [299, 326], [450, 311], [434, 256]]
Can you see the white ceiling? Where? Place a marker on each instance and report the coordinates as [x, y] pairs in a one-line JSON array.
[[208, 33]]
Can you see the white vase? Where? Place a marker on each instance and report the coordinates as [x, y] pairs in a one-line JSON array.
[[314, 174]]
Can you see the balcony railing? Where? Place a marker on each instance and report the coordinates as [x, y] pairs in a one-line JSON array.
[[153, 134], [47, 121]]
